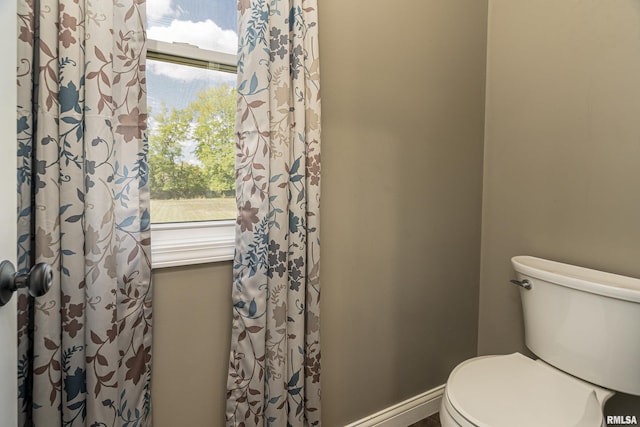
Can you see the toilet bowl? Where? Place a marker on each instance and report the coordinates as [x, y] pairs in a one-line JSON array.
[[572, 319], [514, 390]]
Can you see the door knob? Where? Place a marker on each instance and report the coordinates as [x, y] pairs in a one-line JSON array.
[[38, 280]]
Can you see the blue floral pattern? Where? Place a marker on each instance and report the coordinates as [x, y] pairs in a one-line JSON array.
[[85, 347], [274, 369]]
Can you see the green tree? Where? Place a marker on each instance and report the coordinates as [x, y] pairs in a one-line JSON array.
[[209, 122], [171, 177], [214, 116]]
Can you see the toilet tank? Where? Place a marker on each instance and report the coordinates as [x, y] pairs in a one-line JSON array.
[[584, 322]]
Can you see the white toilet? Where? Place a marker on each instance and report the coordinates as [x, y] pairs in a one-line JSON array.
[[584, 325]]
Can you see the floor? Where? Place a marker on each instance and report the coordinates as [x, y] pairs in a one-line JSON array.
[[432, 421]]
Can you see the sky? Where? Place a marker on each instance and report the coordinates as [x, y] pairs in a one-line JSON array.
[[210, 24]]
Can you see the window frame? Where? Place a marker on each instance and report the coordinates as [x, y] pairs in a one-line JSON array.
[[188, 243]]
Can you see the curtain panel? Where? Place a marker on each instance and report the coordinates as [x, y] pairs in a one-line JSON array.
[[274, 369], [85, 347]]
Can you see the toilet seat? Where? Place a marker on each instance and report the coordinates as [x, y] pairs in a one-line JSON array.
[[514, 390]]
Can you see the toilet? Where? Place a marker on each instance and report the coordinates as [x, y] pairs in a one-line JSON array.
[[584, 327]]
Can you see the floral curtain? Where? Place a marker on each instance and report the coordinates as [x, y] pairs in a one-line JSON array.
[[274, 370], [85, 347]]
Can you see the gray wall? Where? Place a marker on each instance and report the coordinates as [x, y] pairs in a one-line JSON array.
[[403, 98], [192, 324], [562, 147], [403, 115]]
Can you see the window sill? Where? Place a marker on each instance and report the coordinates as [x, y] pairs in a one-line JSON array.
[[191, 243]]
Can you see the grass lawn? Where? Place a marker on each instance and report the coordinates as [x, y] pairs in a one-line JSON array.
[[183, 210]]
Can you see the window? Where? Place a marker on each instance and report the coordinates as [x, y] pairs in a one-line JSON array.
[[191, 76]]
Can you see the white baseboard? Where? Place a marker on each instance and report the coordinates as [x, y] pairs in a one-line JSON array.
[[405, 413]]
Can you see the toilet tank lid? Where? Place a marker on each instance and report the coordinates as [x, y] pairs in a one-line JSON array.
[[584, 279]]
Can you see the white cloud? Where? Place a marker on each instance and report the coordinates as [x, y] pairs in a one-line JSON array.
[[205, 34], [159, 9]]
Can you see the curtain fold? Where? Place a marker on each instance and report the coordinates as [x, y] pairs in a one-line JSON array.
[[274, 369], [83, 199]]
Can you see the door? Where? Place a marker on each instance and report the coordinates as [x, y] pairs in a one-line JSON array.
[[8, 327]]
